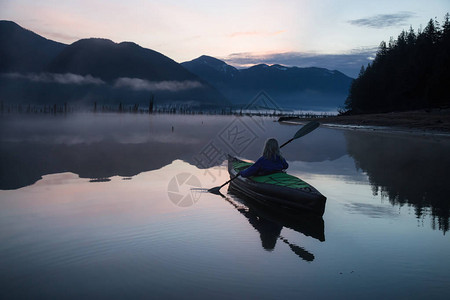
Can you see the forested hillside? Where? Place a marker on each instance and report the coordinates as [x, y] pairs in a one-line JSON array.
[[411, 72]]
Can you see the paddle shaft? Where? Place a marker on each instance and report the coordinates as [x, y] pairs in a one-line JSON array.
[[286, 143]]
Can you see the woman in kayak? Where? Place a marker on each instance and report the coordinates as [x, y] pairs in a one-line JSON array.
[[270, 162]]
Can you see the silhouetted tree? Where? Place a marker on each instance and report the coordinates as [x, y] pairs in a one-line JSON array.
[[410, 72]]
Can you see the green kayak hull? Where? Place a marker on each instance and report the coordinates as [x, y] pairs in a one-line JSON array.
[[278, 188]]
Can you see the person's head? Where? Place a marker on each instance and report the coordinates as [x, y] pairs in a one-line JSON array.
[[271, 149]]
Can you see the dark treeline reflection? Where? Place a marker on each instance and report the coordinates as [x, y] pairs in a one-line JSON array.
[[408, 170], [98, 146]]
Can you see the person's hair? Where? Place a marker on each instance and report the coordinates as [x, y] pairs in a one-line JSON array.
[[271, 149]]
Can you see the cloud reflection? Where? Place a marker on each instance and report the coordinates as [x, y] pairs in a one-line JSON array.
[[370, 210]]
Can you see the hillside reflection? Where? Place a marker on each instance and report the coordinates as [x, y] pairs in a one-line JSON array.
[[105, 145], [408, 170]]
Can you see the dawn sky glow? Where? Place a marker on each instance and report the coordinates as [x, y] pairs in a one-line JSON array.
[[241, 32]]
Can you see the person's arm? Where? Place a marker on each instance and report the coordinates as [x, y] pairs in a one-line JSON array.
[[285, 164], [252, 170]]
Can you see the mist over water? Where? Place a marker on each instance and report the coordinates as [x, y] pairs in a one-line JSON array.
[[104, 145], [88, 208]]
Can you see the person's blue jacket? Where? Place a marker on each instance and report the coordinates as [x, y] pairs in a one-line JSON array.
[[264, 166]]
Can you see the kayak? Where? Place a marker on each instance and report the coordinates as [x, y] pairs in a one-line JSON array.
[[277, 188], [301, 221]]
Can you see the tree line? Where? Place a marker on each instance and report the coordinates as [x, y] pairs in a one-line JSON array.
[[411, 72]]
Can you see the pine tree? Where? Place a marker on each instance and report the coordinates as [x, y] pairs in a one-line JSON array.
[[410, 72]]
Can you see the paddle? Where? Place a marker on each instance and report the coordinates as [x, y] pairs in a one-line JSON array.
[[307, 128]]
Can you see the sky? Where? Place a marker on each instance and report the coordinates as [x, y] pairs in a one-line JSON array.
[[335, 34]]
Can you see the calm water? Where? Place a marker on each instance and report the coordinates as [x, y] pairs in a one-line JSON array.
[[111, 207]]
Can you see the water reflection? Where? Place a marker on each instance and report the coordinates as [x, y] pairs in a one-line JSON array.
[[106, 145], [408, 170], [95, 146], [270, 220]]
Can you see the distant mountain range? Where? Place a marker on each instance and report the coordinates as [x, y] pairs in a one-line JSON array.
[[107, 60], [289, 87], [38, 70], [34, 69]]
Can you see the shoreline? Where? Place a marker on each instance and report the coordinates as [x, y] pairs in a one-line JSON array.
[[436, 122]]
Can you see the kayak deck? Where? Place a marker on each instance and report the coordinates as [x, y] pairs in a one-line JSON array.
[[277, 188], [279, 178]]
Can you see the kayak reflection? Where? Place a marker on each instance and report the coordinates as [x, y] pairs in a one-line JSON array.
[[270, 220]]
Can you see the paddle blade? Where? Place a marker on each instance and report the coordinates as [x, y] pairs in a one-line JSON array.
[[306, 129], [215, 190]]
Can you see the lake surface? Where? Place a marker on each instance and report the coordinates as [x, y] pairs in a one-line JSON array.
[[110, 206]]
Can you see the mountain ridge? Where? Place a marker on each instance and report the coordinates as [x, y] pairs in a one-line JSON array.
[[291, 87], [22, 50], [49, 72], [108, 60], [209, 80]]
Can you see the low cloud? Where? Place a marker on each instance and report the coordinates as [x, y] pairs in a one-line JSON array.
[[67, 78], [145, 85], [348, 63], [384, 20], [131, 83]]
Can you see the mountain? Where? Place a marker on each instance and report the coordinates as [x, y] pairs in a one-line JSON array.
[[289, 87], [37, 70], [24, 51], [107, 60], [34, 69], [212, 69]]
